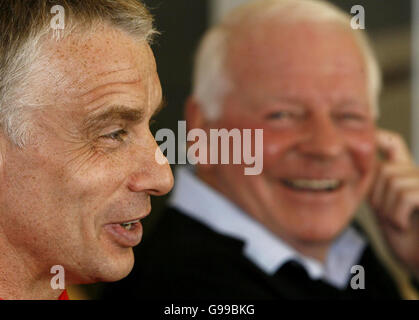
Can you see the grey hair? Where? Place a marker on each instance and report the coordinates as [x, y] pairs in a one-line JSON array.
[[211, 80], [26, 24]]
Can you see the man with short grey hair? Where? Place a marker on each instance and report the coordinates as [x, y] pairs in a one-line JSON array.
[[296, 69], [78, 86]]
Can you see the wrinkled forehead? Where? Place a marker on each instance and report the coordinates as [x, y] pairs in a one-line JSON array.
[[74, 66], [295, 49]]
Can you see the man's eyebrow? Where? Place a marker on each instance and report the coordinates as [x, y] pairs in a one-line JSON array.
[[115, 112]]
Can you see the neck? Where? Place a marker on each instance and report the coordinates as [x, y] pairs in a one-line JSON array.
[[19, 279]]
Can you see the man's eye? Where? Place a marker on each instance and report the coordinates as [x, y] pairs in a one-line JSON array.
[[278, 115], [351, 117], [116, 135], [285, 115]]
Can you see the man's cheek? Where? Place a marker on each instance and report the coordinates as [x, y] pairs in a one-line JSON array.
[[364, 151], [364, 158], [274, 147], [94, 186]]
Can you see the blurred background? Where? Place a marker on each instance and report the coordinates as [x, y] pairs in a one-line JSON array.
[[393, 31]]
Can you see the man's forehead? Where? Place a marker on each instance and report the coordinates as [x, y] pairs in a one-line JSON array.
[[86, 61], [295, 48], [79, 69]]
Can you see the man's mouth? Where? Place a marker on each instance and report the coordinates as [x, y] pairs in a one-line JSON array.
[[313, 185], [127, 233], [130, 224]]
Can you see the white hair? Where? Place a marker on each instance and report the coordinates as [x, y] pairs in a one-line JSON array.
[[211, 80]]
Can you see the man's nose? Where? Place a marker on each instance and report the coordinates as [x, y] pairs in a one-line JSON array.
[[151, 176], [322, 138]]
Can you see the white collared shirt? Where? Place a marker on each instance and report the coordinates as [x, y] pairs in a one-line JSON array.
[[197, 200]]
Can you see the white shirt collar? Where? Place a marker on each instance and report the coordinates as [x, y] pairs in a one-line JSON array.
[[199, 201]]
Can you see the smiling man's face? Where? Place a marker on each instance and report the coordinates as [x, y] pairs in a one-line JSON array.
[[306, 86], [90, 163]]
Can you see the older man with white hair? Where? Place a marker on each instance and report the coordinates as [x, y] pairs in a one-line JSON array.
[[297, 70]]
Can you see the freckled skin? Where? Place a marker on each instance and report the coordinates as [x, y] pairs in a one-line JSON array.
[[59, 191], [320, 67]]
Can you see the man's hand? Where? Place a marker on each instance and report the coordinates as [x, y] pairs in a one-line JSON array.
[[395, 199]]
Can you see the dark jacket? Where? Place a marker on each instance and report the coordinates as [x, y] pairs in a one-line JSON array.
[[185, 259]]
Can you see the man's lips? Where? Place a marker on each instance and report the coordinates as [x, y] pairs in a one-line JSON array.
[[127, 220], [127, 233], [127, 223], [123, 237]]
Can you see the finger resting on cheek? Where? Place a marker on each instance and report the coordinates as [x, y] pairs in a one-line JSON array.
[[386, 176], [393, 146]]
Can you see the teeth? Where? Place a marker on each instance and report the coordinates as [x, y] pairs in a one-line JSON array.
[[126, 226], [129, 225], [316, 185]]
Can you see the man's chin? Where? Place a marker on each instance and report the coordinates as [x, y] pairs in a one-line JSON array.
[[319, 225], [321, 234], [112, 268], [119, 270]]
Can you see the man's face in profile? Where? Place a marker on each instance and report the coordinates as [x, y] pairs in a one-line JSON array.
[[306, 86], [89, 165]]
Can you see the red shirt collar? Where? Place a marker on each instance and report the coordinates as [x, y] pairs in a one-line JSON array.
[[63, 296]]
